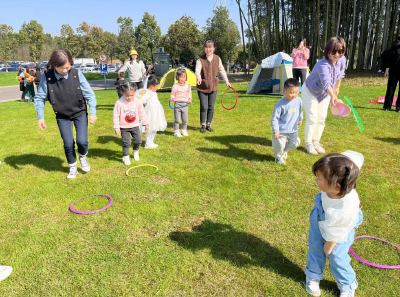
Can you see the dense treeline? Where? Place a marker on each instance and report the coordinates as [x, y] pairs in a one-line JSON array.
[[368, 27], [183, 41]]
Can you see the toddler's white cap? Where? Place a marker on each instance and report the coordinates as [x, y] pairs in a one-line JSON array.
[[356, 157]]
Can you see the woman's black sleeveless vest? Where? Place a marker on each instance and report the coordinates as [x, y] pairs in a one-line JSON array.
[[65, 95]]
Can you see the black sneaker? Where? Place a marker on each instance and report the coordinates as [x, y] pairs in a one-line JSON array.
[[397, 109], [203, 129], [386, 109], [209, 129]]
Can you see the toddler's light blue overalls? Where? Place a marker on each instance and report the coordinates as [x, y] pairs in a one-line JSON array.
[[339, 259]]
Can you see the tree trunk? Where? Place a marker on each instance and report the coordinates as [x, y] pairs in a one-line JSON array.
[[333, 28], [261, 42], [241, 26], [326, 12], [369, 20], [338, 21], [353, 36], [361, 43], [268, 27], [393, 18], [277, 34], [378, 44]]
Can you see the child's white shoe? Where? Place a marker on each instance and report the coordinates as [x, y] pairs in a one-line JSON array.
[[284, 155], [177, 133], [136, 155], [280, 161], [126, 160], [151, 146], [73, 171], [5, 272], [312, 286], [348, 293], [184, 133]]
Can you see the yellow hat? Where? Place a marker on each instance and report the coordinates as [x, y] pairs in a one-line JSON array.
[[133, 52]]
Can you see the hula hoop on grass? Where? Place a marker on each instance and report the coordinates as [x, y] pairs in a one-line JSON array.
[[144, 165], [373, 264], [169, 102], [93, 211], [356, 116], [222, 99]]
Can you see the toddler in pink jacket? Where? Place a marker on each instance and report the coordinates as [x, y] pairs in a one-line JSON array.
[[128, 112]]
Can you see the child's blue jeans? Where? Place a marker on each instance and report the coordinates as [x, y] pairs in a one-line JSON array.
[[339, 259]]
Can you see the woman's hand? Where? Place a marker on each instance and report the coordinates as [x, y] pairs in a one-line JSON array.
[[387, 72], [336, 91], [92, 119], [199, 81], [333, 100], [147, 128], [228, 85], [42, 124]]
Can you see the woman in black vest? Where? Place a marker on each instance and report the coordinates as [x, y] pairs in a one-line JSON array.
[[67, 90], [393, 72], [207, 83]]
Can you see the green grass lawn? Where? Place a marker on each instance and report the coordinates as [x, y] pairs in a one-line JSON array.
[[219, 218], [9, 78]]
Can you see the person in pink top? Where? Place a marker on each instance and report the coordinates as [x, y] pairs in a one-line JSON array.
[[128, 112], [181, 95], [300, 55]]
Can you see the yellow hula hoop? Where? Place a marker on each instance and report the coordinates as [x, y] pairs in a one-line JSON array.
[[144, 165]]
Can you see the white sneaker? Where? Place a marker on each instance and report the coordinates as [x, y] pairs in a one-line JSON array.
[[5, 272], [84, 163], [318, 147], [348, 293], [285, 155], [309, 148], [151, 146], [280, 161], [126, 160], [184, 133], [73, 171], [177, 134], [136, 155], [312, 286]]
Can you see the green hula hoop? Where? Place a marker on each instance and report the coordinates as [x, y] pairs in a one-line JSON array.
[[356, 116], [144, 165]]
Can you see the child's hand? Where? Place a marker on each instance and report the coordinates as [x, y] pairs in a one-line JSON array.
[[299, 124], [147, 128], [118, 132], [142, 92], [328, 247], [172, 100], [190, 100], [276, 135]]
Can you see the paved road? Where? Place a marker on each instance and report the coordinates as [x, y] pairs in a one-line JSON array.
[[13, 93]]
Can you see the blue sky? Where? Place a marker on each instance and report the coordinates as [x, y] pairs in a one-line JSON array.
[[52, 14]]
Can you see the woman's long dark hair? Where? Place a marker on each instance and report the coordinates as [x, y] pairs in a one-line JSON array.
[[59, 58], [137, 59]]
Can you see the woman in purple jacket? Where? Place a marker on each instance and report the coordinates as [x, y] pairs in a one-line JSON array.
[[321, 89]]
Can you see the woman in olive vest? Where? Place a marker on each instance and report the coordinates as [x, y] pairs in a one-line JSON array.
[[67, 90], [207, 67]]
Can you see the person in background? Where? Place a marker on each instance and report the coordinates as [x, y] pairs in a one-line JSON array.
[[119, 81], [300, 55], [38, 75], [21, 79], [393, 72], [135, 69]]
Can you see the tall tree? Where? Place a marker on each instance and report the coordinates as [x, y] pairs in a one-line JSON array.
[[69, 40], [32, 34], [7, 42], [225, 34], [147, 35], [378, 42], [125, 38]]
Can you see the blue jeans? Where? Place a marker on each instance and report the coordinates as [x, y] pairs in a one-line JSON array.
[[339, 259], [81, 127]]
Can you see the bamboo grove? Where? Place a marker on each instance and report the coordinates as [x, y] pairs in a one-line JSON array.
[[368, 27]]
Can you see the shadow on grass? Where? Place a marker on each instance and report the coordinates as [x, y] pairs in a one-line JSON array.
[[389, 140], [171, 125], [112, 155], [240, 249], [47, 163], [237, 153]]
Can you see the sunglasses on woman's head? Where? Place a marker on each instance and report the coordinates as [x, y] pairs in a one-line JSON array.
[[339, 52]]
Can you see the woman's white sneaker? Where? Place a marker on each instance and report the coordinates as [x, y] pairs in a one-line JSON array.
[[318, 147], [309, 148], [73, 171]]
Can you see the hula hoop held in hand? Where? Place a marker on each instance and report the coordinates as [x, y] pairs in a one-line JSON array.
[[143, 175], [93, 211], [222, 99], [370, 263], [356, 116]]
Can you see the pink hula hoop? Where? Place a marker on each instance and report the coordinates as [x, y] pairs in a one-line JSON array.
[[93, 211], [373, 264]]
